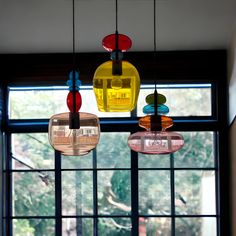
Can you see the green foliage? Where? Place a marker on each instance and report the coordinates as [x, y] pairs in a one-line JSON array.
[[121, 186], [22, 228]]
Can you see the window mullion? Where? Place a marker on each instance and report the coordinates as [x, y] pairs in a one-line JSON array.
[[134, 193], [58, 193], [172, 192], [95, 194]]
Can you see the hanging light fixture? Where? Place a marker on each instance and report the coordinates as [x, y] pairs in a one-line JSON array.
[[116, 83], [155, 140], [74, 133]]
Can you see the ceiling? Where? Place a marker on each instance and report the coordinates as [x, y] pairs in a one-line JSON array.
[[44, 26]]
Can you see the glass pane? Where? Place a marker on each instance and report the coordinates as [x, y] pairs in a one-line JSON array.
[[48, 101], [77, 162], [114, 192], [154, 192], [195, 192], [77, 227], [33, 194], [77, 193], [113, 151], [181, 100], [198, 151], [33, 227], [195, 226], [32, 151], [31, 103], [152, 226], [114, 227], [153, 161]]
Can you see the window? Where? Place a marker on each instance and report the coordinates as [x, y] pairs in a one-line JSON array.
[[113, 190], [175, 193]]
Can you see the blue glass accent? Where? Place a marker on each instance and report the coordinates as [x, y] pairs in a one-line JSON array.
[[161, 109], [70, 81]]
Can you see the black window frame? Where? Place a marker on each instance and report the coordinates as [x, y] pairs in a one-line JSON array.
[[172, 67]]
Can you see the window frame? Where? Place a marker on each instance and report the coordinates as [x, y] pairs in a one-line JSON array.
[[217, 123]]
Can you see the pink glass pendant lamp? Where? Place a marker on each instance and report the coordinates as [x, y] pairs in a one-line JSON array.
[[74, 133], [155, 140], [116, 83]]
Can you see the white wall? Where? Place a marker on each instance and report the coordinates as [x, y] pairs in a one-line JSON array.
[[232, 113]]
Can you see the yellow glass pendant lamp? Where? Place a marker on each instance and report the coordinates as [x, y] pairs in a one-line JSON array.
[[116, 83], [114, 92]]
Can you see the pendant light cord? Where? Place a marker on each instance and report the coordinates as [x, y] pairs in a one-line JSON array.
[[116, 15], [73, 46], [154, 39], [116, 33], [155, 59]]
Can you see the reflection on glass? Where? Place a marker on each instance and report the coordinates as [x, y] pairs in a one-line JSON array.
[[114, 192], [154, 192], [114, 226], [32, 151], [75, 162], [90, 105], [113, 151], [154, 226], [77, 227], [33, 227], [198, 150], [33, 194], [195, 192], [192, 102], [153, 161], [77, 193], [195, 226]]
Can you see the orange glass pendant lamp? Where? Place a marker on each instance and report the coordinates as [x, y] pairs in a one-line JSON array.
[[155, 140], [74, 133], [116, 83]]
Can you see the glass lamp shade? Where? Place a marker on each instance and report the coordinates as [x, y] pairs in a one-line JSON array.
[[116, 93], [155, 142], [150, 109], [152, 121], [161, 99], [74, 142], [78, 100], [124, 42]]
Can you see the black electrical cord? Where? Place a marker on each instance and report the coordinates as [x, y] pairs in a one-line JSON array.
[[73, 46], [155, 59]]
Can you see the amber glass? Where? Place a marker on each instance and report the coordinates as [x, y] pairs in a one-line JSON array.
[[116, 93], [74, 142], [145, 122], [155, 142]]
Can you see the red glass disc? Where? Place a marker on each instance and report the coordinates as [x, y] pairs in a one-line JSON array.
[[124, 42], [69, 101]]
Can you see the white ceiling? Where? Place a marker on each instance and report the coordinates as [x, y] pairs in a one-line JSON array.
[[41, 26]]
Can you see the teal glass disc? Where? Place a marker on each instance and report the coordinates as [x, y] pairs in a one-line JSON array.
[[161, 109]]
